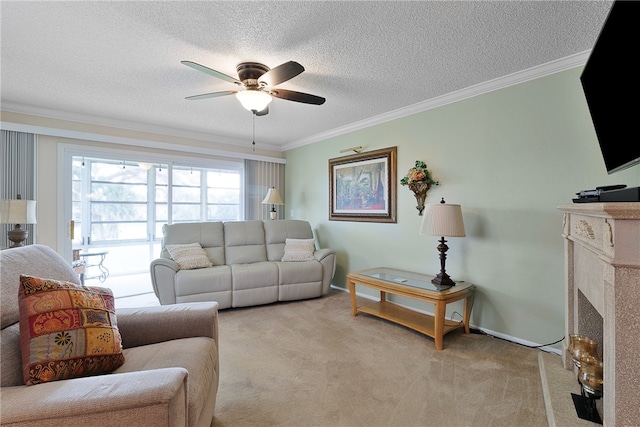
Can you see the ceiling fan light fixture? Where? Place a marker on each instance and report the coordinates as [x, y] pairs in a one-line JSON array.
[[254, 100]]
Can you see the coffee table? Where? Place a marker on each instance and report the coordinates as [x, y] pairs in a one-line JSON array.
[[417, 286]]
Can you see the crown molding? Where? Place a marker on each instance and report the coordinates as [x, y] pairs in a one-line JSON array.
[[136, 142], [125, 125], [533, 73]]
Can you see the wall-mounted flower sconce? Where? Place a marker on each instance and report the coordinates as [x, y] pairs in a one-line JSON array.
[[419, 180]]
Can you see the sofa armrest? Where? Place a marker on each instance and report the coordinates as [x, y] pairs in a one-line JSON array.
[[148, 325], [326, 257], [159, 397], [163, 273], [321, 254]]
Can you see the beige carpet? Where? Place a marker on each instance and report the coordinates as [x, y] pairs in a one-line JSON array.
[[310, 363]]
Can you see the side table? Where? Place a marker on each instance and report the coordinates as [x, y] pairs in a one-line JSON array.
[[416, 286], [104, 271]]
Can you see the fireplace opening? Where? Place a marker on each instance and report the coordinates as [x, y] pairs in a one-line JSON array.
[[590, 322]]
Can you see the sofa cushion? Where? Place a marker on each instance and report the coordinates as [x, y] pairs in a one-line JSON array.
[[210, 235], [276, 232], [244, 242], [298, 250], [66, 330], [299, 280], [254, 284], [189, 256], [204, 284]]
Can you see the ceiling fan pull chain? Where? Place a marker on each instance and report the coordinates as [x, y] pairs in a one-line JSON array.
[[254, 130]]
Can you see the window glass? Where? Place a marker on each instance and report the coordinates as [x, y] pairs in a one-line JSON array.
[[186, 177], [109, 171], [118, 231], [162, 193], [216, 192], [118, 212], [76, 199], [185, 212], [186, 194], [223, 213]]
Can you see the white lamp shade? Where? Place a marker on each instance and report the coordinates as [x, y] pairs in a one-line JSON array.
[[18, 211], [442, 219], [254, 100], [273, 198]]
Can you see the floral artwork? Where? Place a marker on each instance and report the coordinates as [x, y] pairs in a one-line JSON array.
[[362, 187], [419, 180]]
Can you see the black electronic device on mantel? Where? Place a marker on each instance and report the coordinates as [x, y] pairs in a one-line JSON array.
[[611, 84], [609, 193]]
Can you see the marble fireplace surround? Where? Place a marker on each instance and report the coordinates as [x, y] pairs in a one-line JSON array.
[[602, 289]]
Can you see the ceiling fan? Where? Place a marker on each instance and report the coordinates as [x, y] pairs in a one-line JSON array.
[[257, 83]]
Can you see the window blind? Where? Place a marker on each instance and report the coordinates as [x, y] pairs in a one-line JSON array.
[[18, 175], [259, 177]]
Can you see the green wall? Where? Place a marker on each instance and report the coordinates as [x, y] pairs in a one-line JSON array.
[[509, 157]]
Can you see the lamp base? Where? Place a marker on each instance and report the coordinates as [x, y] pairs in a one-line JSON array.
[[17, 236], [443, 279]]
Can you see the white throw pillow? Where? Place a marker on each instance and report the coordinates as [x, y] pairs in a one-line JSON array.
[[298, 250], [189, 256]]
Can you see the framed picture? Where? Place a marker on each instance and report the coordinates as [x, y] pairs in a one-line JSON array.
[[362, 187]]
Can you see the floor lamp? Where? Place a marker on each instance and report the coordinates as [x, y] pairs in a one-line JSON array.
[[444, 220]]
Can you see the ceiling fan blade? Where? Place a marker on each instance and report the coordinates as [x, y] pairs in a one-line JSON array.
[[211, 72], [281, 73], [264, 112], [291, 95], [210, 95]]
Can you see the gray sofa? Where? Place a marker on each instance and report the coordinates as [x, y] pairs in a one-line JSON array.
[[169, 377], [247, 264]]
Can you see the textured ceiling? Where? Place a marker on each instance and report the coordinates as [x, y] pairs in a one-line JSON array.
[[119, 62]]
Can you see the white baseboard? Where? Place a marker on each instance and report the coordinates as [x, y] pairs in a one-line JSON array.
[[500, 335]]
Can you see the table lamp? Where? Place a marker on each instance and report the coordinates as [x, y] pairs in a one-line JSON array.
[[18, 211], [273, 199], [444, 220]]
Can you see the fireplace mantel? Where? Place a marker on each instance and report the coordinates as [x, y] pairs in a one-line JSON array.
[[602, 289]]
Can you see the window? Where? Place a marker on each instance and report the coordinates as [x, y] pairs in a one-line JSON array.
[[117, 202], [205, 195], [122, 204]]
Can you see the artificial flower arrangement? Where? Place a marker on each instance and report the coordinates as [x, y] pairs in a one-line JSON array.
[[419, 180]]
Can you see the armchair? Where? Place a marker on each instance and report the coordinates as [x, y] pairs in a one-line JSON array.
[[169, 377]]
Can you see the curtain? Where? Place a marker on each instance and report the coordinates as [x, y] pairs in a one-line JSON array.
[[18, 175], [259, 177]]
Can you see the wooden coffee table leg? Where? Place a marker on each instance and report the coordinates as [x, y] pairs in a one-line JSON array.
[[439, 324], [352, 292]]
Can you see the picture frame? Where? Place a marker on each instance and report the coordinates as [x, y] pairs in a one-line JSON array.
[[362, 187]]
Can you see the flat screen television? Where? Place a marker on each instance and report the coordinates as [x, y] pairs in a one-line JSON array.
[[611, 84]]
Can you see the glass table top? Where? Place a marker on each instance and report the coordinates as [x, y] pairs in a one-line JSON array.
[[405, 278]]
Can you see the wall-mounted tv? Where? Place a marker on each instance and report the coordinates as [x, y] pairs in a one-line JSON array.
[[611, 84]]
